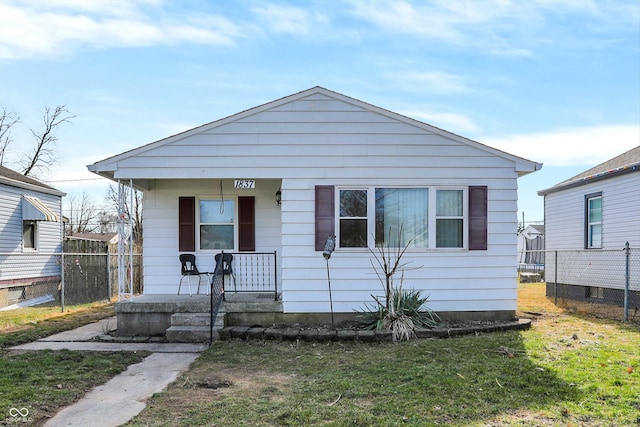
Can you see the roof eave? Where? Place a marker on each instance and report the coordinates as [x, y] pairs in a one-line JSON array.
[[33, 187], [593, 178]]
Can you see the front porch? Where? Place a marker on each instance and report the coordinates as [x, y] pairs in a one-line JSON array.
[[185, 318]]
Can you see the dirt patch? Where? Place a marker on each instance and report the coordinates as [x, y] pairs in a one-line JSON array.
[[201, 385]]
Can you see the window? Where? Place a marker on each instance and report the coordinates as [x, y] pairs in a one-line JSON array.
[[595, 292], [16, 295], [404, 216], [29, 235], [449, 218], [217, 224], [353, 218], [593, 221]]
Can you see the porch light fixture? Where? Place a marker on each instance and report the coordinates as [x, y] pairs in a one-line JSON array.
[[279, 197]]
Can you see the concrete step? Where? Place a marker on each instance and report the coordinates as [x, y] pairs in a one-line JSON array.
[[189, 334], [193, 319], [192, 327]]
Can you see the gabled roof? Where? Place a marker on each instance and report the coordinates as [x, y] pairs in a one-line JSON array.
[[15, 179], [624, 163], [108, 167]]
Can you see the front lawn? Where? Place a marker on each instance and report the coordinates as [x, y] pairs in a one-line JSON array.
[[34, 385], [31, 323], [565, 370]]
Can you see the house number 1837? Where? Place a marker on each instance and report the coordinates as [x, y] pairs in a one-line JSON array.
[[244, 183]]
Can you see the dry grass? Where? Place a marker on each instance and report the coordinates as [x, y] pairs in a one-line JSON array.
[[566, 370]]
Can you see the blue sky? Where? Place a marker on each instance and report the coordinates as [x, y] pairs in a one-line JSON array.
[[554, 81]]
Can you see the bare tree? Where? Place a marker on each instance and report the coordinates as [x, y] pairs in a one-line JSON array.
[[81, 211], [8, 119], [107, 221], [43, 155], [134, 212]]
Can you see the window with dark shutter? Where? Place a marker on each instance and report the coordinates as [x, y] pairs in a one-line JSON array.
[[325, 211], [478, 218], [246, 224], [186, 224]]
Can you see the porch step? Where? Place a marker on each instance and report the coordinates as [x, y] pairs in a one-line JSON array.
[[189, 334], [192, 327]]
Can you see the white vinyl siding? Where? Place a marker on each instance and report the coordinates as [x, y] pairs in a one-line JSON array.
[[18, 264], [565, 214], [458, 280], [322, 140]]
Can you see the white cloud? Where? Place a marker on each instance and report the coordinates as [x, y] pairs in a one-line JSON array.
[[38, 29], [435, 81], [588, 146], [403, 17], [503, 27], [285, 19]]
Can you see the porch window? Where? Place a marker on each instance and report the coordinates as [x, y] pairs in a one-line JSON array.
[[593, 225], [217, 224]]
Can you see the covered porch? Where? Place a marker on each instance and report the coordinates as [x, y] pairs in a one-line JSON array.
[[186, 318]]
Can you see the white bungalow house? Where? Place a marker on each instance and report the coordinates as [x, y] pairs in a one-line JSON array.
[[30, 220], [282, 177], [588, 219]]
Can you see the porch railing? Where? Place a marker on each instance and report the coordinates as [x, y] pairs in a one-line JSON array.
[[252, 272]]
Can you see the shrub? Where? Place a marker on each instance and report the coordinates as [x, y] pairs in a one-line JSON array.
[[407, 312]]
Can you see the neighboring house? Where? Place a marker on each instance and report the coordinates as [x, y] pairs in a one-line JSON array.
[[589, 218], [531, 247], [285, 175], [31, 233]]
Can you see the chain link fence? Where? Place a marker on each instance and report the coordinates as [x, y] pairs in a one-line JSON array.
[[604, 282], [36, 279]]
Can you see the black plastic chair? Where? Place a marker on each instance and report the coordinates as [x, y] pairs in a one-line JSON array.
[[188, 269], [224, 267]]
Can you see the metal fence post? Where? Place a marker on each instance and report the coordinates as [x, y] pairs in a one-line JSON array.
[[627, 280], [109, 290], [555, 279], [275, 273], [62, 280]]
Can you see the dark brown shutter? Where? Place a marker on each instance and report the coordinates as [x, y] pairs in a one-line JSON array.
[[478, 218], [325, 211], [246, 223], [186, 224]]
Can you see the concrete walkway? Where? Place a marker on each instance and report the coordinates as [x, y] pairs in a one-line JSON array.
[[123, 397]]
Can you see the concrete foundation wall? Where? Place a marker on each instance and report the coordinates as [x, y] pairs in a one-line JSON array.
[[265, 319], [151, 315]]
